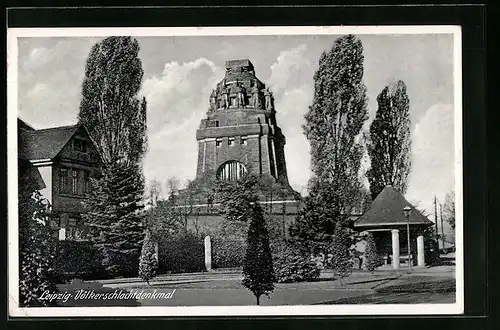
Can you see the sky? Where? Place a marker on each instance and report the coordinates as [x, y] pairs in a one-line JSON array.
[[180, 72]]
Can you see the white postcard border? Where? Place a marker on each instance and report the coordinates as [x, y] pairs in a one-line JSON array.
[[313, 310]]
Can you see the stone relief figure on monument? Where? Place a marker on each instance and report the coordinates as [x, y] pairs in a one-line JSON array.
[[240, 95], [255, 101], [269, 99], [213, 100], [224, 101]]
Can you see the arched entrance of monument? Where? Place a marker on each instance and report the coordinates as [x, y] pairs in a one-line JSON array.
[[231, 170]]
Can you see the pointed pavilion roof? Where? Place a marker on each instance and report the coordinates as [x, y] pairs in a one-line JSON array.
[[387, 210]]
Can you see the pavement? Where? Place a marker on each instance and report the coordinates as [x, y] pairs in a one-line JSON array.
[[223, 288]]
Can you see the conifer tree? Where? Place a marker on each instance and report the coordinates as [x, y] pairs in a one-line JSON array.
[[312, 228], [115, 218], [371, 255], [333, 125], [116, 120], [239, 203], [389, 143], [258, 272], [148, 263]]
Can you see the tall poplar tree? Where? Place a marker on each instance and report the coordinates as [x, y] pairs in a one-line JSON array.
[[333, 124], [389, 143], [116, 119]]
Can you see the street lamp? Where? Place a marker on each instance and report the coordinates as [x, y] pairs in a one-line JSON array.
[[407, 210]]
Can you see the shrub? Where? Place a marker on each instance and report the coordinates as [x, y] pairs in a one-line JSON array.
[[371, 255], [431, 247], [78, 259], [36, 246], [292, 264], [229, 244], [228, 252], [339, 251], [181, 252], [148, 263]]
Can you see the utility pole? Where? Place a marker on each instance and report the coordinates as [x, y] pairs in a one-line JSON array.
[[442, 228], [436, 221]]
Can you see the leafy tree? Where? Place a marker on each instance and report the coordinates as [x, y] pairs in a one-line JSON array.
[[237, 198], [37, 248], [172, 186], [333, 125], [110, 108], [389, 143], [148, 264], [162, 220], [340, 258], [449, 208], [154, 192], [116, 120], [371, 255]]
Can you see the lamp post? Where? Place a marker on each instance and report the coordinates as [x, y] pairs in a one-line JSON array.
[[407, 210]]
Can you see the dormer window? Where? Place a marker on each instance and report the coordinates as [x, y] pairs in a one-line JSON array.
[[80, 145], [230, 141]]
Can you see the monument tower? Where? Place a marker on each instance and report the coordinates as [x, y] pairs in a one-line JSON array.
[[240, 133]]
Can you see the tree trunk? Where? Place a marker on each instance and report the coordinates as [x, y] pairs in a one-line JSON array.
[[258, 300]]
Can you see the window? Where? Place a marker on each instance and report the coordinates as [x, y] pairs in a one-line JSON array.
[[63, 180], [230, 141], [231, 170], [72, 222], [73, 231], [216, 123], [243, 140], [74, 182], [86, 182], [218, 142], [80, 145]]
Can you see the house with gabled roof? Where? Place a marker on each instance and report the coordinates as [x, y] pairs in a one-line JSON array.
[[386, 219], [61, 160]]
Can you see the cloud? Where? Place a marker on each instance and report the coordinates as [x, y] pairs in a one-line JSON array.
[[291, 69], [291, 108], [291, 82], [433, 159], [177, 101], [50, 79]]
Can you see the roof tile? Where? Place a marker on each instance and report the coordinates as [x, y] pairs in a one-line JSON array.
[[44, 143], [387, 209]]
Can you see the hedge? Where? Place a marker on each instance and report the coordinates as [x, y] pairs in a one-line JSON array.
[[78, 259], [181, 252], [294, 265], [228, 252]]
